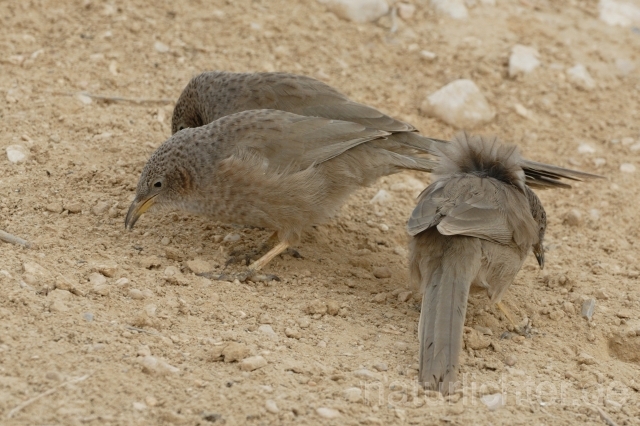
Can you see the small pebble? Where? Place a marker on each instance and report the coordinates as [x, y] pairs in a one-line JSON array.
[[165, 241], [382, 197], [139, 406], [160, 47], [73, 207], [601, 294], [100, 208], [292, 333], [156, 366], [136, 294], [573, 218], [460, 104], [585, 148], [267, 330], [333, 307], [523, 60], [352, 394], [328, 413], [271, 406], [381, 366], [588, 308], [404, 296], [405, 10], [54, 207], [17, 154], [87, 316], [231, 238], [317, 306], [199, 266], [585, 358], [381, 272], [627, 168], [380, 298], [429, 56], [252, 363], [510, 360], [235, 352], [97, 279], [580, 77], [494, 401], [363, 373]]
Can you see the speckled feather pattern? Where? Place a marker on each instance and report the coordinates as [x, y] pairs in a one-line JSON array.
[[214, 94], [271, 169]]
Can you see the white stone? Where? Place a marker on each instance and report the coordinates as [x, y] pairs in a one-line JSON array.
[[381, 197], [268, 330], [460, 104], [353, 394], [360, 11], [586, 148], [455, 9], [635, 147], [627, 168], [522, 111], [252, 363], [579, 75], [17, 154], [428, 55], [86, 100], [160, 47], [523, 60], [328, 413], [624, 14], [157, 366], [271, 406], [494, 401], [405, 10]]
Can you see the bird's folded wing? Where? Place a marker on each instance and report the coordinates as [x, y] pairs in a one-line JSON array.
[[470, 206], [293, 142], [307, 96]]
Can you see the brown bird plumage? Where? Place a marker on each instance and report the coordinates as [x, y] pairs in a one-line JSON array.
[[474, 225], [269, 169], [212, 95]]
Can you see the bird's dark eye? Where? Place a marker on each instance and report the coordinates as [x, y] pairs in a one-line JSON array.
[[158, 184], [181, 127]]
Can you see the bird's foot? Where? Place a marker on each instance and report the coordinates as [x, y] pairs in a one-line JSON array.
[[247, 257], [247, 275]]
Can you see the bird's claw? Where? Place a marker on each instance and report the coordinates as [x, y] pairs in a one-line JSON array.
[[249, 275]]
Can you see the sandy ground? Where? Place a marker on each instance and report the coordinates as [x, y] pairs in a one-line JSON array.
[[103, 326]]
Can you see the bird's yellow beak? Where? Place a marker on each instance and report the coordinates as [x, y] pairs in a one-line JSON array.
[[138, 207]]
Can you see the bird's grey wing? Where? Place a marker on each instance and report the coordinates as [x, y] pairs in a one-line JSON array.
[[289, 141], [476, 207], [310, 97]]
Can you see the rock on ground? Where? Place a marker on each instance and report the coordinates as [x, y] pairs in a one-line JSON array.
[[460, 104]]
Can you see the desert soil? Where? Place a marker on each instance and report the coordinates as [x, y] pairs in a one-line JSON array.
[[105, 326]]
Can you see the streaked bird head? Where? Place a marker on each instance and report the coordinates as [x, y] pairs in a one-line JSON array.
[[166, 180]]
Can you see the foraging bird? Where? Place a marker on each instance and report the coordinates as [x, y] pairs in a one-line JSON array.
[[474, 225], [212, 95], [270, 169]]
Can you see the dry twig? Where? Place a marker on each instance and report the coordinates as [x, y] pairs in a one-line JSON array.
[[45, 393], [12, 239], [118, 98]]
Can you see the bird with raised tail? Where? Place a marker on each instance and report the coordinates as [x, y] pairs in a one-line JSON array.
[[474, 225], [214, 94], [269, 169]]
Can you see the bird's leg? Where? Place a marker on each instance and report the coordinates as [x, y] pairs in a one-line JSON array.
[[507, 313], [239, 255], [268, 257]]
